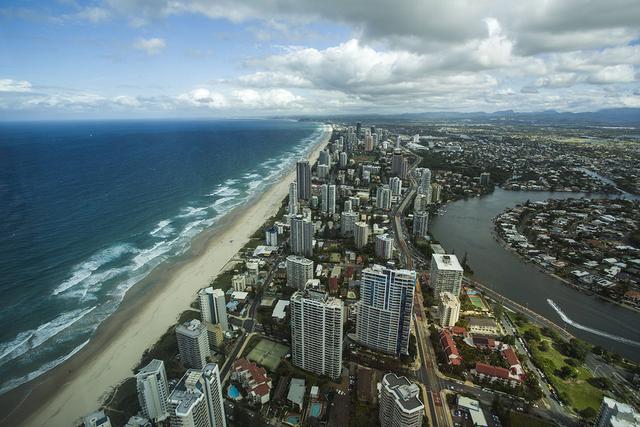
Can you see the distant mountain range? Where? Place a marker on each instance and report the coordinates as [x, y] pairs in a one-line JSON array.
[[606, 117]]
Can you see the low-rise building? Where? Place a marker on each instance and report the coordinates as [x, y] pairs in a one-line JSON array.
[[483, 326]]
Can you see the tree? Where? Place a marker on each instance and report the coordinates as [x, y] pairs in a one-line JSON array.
[[567, 372], [532, 335], [588, 414]]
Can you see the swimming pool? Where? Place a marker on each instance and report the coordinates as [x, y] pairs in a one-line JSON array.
[[293, 420], [315, 409], [233, 392]]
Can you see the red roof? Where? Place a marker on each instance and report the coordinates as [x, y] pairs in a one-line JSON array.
[[492, 371], [449, 346], [261, 389], [458, 330], [510, 356]]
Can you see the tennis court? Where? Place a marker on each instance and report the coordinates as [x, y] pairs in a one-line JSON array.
[[268, 354]]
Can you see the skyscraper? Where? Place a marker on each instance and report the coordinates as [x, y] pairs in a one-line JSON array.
[[213, 307], [316, 332], [420, 224], [301, 239], [344, 159], [396, 162], [293, 198], [436, 192], [153, 391], [446, 274], [197, 399], [448, 309], [303, 179], [421, 203], [384, 246], [299, 270], [485, 178], [385, 309], [193, 343], [383, 197], [396, 186], [361, 234], [348, 222], [425, 181], [325, 158], [400, 405], [328, 196]]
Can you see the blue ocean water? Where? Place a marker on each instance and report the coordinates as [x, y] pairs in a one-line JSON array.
[[87, 209]]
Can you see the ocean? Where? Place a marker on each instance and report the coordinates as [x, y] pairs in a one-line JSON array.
[[89, 208]]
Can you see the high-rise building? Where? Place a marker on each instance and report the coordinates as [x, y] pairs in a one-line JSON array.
[[420, 224], [485, 178], [361, 234], [271, 236], [448, 309], [385, 309], [436, 192], [358, 129], [348, 205], [213, 307], [421, 203], [446, 274], [396, 186], [323, 171], [348, 222], [193, 343], [197, 399], [239, 282], [316, 332], [383, 197], [301, 239], [400, 404], [96, 419], [153, 390], [344, 159], [425, 181], [384, 246], [616, 414], [404, 168], [303, 179], [325, 158], [299, 270], [396, 162], [328, 195], [368, 142], [293, 198]]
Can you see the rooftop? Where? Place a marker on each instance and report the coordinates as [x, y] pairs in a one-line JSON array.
[[406, 393], [447, 262]]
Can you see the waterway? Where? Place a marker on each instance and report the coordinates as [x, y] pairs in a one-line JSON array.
[[467, 227]]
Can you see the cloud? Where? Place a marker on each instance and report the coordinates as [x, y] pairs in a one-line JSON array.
[[93, 14], [613, 74], [152, 46], [10, 85]]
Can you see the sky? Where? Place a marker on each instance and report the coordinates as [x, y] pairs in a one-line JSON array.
[[252, 58]]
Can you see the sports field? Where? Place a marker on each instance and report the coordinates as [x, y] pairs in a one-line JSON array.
[[268, 354]]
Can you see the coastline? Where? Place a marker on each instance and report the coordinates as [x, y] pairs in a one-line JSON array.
[[77, 386]]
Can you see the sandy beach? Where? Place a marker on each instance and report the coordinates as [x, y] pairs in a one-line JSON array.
[[77, 386]]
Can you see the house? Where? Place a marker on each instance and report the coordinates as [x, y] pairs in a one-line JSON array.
[[297, 390], [449, 347], [254, 380], [495, 373], [484, 326], [514, 363], [483, 342]]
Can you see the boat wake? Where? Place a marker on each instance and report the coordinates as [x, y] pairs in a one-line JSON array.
[[577, 325]]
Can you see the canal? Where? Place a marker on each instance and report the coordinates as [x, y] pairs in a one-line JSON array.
[[467, 227]]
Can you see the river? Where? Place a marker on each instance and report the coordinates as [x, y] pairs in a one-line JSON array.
[[467, 227]]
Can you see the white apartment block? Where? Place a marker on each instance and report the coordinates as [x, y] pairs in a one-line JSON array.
[[448, 309], [193, 343], [400, 404], [153, 391], [213, 307], [316, 332], [446, 274], [299, 270], [385, 309]]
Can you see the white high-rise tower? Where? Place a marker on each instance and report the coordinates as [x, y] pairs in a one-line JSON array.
[[316, 332]]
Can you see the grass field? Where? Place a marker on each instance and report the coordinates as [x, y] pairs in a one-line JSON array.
[[580, 393], [268, 354], [522, 420]]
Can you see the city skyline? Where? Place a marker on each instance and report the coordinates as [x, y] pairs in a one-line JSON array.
[[136, 59]]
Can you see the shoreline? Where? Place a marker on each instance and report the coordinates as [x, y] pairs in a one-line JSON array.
[[77, 386]]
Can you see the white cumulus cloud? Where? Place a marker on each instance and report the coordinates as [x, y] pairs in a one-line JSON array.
[[152, 46]]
